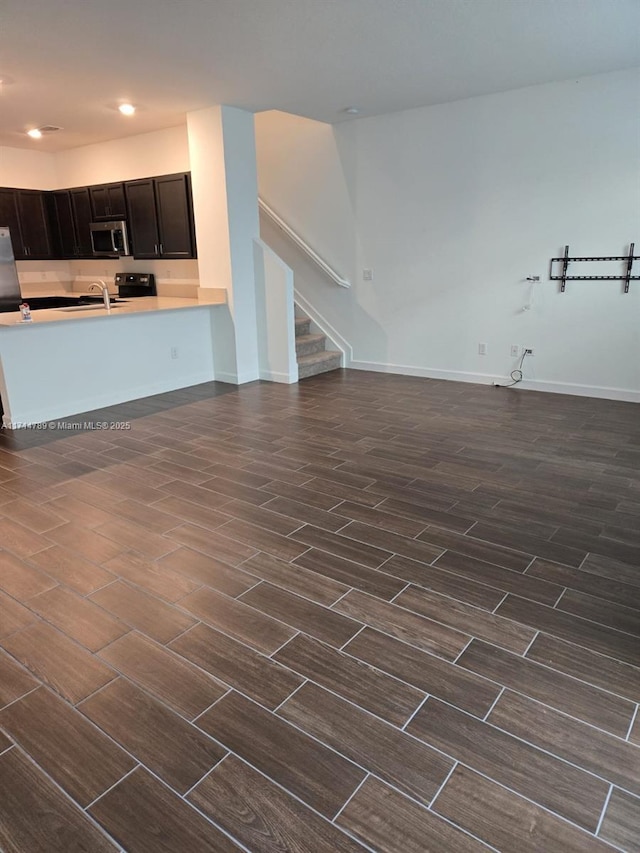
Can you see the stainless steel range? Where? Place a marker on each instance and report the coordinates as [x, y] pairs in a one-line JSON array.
[[131, 284]]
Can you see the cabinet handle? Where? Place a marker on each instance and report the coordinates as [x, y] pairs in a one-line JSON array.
[[27, 250], [161, 249], [155, 248]]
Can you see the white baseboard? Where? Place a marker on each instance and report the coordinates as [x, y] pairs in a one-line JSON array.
[[224, 376], [275, 376], [426, 372], [625, 395], [235, 378], [602, 392], [332, 334]]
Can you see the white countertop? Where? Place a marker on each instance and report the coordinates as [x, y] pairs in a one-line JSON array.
[[139, 305]]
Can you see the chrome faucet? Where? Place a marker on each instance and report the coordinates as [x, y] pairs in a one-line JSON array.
[[105, 292]]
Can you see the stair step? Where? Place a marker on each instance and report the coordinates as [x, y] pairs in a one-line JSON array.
[[310, 344], [318, 362], [302, 326]]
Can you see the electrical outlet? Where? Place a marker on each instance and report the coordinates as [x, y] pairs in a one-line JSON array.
[[174, 352], [367, 275], [529, 351], [515, 350], [482, 349]]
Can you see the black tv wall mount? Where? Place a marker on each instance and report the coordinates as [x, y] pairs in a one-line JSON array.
[[565, 260]]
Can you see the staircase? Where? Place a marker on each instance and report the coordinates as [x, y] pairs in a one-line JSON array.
[[311, 354]]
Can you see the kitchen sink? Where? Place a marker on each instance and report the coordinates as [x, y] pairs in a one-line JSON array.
[[96, 307], [38, 303]]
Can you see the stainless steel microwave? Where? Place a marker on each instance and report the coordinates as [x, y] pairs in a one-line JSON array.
[[109, 239]]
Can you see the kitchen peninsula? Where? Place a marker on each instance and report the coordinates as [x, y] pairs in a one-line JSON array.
[[73, 360]]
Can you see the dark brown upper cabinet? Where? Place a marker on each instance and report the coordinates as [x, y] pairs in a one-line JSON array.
[[160, 217], [82, 218], [62, 223], [34, 224], [56, 224], [107, 201], [9, 219], [142, 218], [70, 215], [175, 216], [25, 213]]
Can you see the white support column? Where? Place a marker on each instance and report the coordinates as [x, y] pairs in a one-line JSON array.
[[225, 201]]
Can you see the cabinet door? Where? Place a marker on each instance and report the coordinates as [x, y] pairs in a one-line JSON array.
[[143, 227], [9, 219], [34, 224], [175, 219], [81, 205], [117, 205], [62, 226], [107, 201], [99, 202]]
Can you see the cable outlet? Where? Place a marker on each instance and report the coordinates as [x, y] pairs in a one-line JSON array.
[[515, 350], [529, 351], [174, 352], [482, 349], [367, 275]]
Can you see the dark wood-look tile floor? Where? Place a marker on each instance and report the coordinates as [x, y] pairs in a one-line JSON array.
[[362, 613]]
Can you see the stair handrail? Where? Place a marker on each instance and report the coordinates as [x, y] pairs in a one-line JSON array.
[[302, 244]]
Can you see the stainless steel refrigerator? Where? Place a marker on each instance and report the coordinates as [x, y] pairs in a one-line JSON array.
[[10, 296]]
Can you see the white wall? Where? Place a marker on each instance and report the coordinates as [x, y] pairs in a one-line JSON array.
[[162, 152], [275, 316], [28, 170], [452, 206], [225, 207]]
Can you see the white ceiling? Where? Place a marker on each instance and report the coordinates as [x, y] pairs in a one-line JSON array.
[[72, 61]]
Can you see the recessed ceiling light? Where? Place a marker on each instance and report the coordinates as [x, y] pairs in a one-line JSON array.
[[43, 130], [352, 111], [127, 109]]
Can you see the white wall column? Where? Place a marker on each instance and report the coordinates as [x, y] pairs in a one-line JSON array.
[[225, 201]]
